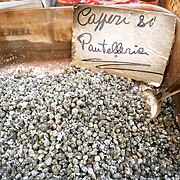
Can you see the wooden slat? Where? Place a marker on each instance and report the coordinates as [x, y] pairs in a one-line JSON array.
[[172, 5], [35, 34], [173, 69]]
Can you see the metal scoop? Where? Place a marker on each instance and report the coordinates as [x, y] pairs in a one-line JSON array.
[[155, 100]]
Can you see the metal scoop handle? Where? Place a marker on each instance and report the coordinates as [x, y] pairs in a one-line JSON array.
[[156, 100], [172, 90]]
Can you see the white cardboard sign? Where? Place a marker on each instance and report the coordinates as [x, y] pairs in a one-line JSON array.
[[131, 43]]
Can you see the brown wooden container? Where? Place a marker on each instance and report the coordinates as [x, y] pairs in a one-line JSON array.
[[173, 69], [172, 5], [35, 36], [43, 35]]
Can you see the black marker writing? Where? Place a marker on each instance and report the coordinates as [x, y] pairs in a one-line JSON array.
[[85, 40], [142, 22], [118, 65], [86, 17]]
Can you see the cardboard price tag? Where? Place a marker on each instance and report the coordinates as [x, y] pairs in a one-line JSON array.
[[131, 43]]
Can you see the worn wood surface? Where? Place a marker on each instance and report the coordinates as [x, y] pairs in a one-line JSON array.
[[35, 35], [172, 5], [173, 69]]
